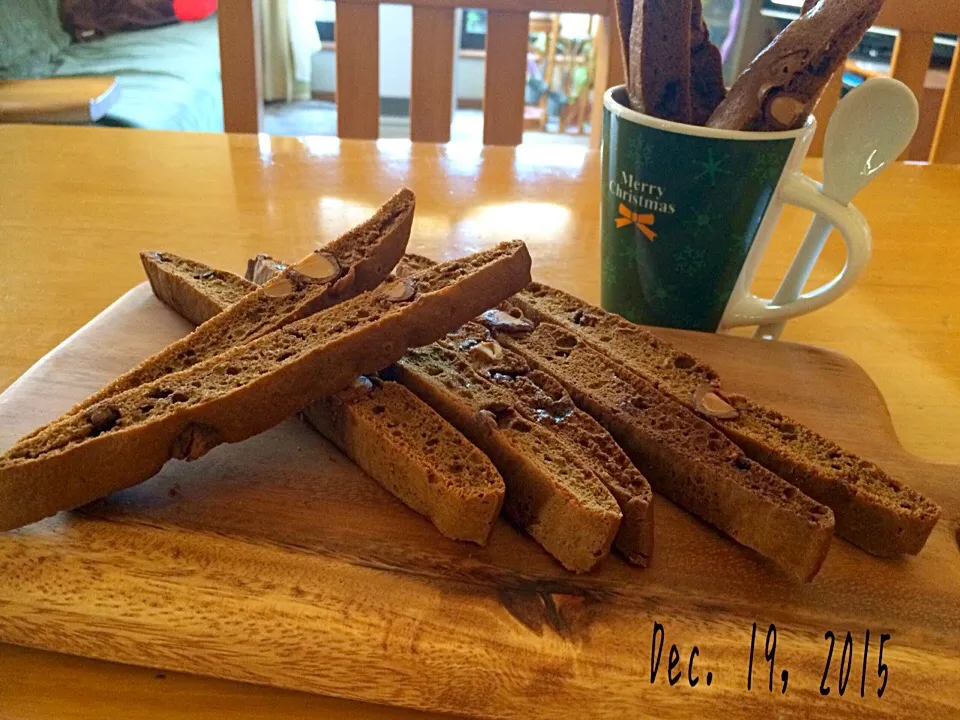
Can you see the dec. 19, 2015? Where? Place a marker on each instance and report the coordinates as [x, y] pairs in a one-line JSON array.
[[778, 677]]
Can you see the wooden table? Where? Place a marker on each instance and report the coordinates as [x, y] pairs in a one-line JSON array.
[[78, 203]]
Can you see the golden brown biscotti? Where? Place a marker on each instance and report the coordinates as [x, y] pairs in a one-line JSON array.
[[403, 444], [682, 456], [551, 493], [244, 391], [873, 510], [540, 399], [355, 262], [659, 65], [780, 88], [396, 438], [196, 291]]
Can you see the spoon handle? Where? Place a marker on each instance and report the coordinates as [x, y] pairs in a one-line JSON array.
[[797, 275]]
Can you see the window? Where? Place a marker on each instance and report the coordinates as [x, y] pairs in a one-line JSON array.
[[325, 16], [473, 30]]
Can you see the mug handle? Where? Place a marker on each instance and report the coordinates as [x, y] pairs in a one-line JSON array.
[[799, 190]]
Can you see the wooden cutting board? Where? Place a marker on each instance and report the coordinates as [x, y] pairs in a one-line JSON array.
[[277, 561]]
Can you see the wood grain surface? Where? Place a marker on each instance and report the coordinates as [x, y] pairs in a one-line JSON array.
[[79, 203], [275, 561]]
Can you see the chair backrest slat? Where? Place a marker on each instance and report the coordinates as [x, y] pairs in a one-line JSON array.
[[357, 34], [431, 84], [911, 60], [946, 140], [238, 25], [824, 109], [505, 76]]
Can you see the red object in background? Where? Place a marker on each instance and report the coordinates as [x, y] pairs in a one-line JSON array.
[[187, 10]]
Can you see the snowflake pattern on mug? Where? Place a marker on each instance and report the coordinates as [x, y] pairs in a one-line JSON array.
[[712, 167], [766, 168], [700, 220], [640, 153], [691, 260]]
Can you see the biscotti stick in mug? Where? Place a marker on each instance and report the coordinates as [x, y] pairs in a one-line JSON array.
[[688, 211]]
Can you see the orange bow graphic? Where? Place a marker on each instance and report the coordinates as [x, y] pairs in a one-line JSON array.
[[641, 221]]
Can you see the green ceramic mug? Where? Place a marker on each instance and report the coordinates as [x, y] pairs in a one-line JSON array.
[[688, 211]]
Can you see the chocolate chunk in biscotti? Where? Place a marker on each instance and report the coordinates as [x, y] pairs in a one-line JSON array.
[[353, 263], [550, 492], [659, 75], [196, 291], [873, 511], [780, 88], [245, 390], [407, 447], [706, 69], [684, 457]]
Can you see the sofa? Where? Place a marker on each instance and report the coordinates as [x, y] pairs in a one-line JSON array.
[[168, 77]]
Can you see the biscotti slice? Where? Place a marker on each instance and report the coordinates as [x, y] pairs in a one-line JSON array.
[[396, 438], [682, 456], [355, 262], [404, 445], [540, 399], [246, 390], [780, 88], [873, 510], [262, 268], [551, 494], [196, 291], [659, 72]]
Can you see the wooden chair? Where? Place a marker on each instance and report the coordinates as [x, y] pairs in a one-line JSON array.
[[431, 99], [433, 56], [918, 21]]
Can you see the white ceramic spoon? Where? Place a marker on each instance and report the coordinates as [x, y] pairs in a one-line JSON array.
[[869, 129]]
